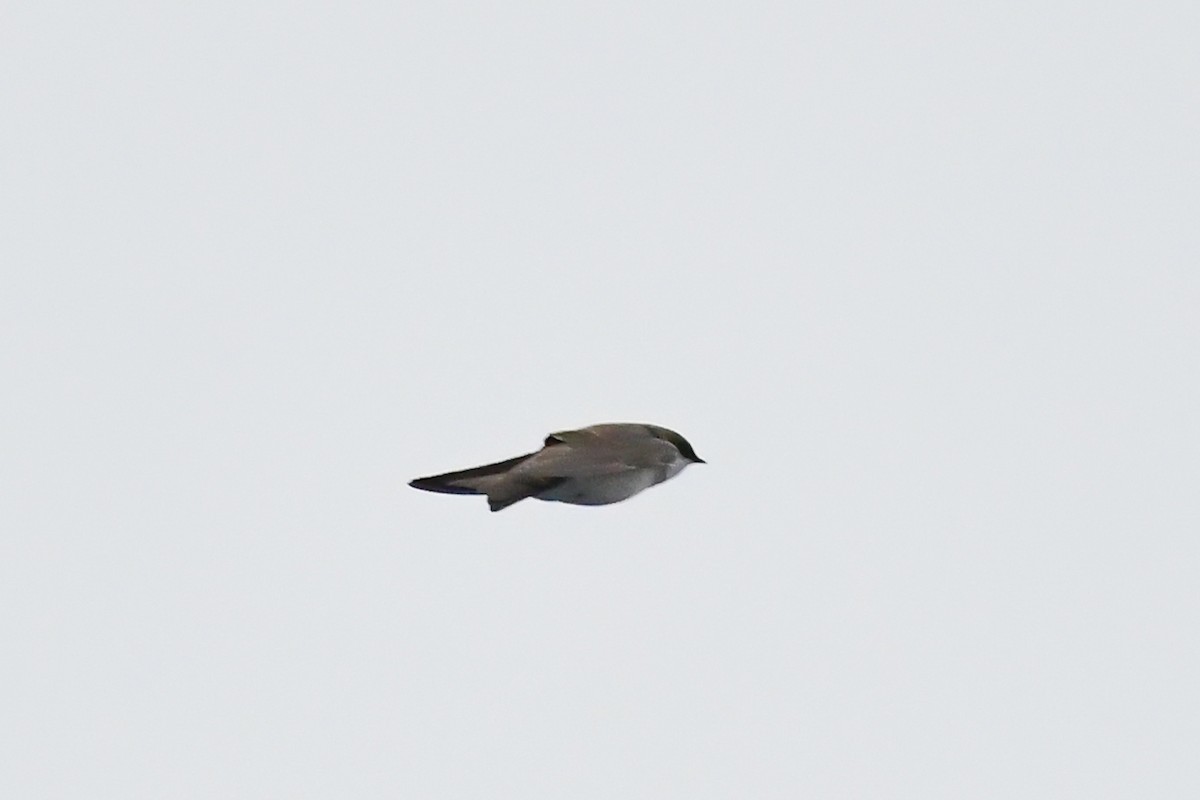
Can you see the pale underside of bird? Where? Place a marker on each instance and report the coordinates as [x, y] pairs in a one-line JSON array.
[[592, 466]]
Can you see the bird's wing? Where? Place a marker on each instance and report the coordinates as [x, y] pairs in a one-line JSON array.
[[589, 456], [580, 438], [469, 481]]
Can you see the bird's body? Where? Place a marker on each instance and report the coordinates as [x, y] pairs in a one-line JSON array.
[[592, 466]]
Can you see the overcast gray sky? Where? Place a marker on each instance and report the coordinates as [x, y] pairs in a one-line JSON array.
[[919, 280]]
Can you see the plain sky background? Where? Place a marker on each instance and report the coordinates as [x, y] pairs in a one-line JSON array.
[[920, 281]]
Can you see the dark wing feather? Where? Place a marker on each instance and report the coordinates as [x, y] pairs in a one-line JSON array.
[[445, 483]]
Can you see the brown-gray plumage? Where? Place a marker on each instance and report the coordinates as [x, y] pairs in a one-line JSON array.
[[597, 465]]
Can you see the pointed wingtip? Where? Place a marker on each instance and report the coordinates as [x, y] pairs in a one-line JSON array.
[[437, 483]]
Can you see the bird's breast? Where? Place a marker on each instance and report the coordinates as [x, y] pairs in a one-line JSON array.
[[602, 490]]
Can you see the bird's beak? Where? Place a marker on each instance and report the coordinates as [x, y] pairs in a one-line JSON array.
[[699, 461]]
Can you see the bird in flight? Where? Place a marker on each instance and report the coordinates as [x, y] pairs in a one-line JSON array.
[[592, 466]]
